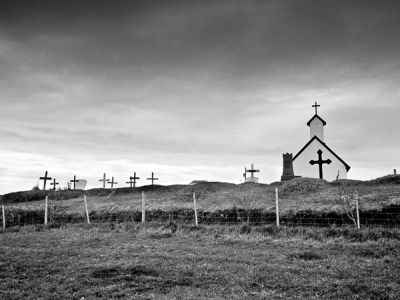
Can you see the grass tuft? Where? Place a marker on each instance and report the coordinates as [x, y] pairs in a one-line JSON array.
[[245, 229]]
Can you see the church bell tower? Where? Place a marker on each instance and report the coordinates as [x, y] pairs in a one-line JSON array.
[[316, 124]]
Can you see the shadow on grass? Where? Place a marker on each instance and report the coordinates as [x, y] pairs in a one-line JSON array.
[[124, 273], [306, 255], [142, 279]]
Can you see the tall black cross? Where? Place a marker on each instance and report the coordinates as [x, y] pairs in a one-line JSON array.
[[316, 105], [320, 162], [74, 181], [152, 178], [112, 182], [104, 180], [252, 171], [132, 180], [54, 183], [45, 178]]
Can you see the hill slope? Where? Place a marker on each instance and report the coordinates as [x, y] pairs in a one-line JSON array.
[[300, 193]]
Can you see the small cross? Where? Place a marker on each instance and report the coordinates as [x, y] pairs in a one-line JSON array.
[[316, 105], [132, 180], [45, 178], [320, 162], [152, 178], [112, 182], [245, 173], [252, 171], [74, 181], [104, 180], [54, 183]]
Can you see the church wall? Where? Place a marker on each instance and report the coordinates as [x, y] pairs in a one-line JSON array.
[[317, 128], [303, 168]]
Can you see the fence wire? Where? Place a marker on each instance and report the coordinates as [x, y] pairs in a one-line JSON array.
[[336, 207]]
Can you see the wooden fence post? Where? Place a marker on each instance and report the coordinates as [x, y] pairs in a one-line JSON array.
[[46, 207], [143, 207], [357, 211], [4, 217], [86, 209], [277, 206], [195, 210]]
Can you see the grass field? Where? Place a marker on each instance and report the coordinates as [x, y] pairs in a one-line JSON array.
[[172, 261]]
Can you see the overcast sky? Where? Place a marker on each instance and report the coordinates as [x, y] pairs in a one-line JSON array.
[[194, 89]]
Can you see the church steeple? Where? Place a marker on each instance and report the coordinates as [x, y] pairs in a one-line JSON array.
[[316, 124]]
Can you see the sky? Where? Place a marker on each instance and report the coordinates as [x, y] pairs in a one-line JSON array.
[[193, 90]]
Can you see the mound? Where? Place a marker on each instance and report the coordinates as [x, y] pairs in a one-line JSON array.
[[160, 188], [28, 196], [389, 179], [254, 188], [207, 188], [346, 182], [303, 185]]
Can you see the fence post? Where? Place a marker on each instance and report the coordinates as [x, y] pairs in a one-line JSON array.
[[86, 209], [357, 211], [46, 206], [195, 210], [143, 207], [277, 206], [4, 217]]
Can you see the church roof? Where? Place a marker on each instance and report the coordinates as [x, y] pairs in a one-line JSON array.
[[329, 149], [318, 117]]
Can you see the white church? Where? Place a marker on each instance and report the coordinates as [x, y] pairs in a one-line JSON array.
[[315, 159]]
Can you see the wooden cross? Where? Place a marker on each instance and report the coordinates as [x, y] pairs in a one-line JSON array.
[[320, 162], [112, 182], [252, 171], [104, 180], [74, 181], [245, 174], [152, 178], [54, 183], [45, 178], [316, 105], [132, 180]]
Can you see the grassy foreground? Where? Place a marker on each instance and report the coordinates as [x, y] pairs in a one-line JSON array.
[[129, 260]]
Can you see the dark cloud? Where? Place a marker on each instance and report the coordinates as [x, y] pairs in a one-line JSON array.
[[195, 83]]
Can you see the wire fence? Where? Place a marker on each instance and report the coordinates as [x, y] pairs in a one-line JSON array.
[[359, 206]]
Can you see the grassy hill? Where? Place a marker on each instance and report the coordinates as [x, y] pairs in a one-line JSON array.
[[297, 194]]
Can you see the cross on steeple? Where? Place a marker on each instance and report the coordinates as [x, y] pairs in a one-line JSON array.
[[74, 181], [316, 105], [320, 162], [104, 180], [45, 178], [112, 182], [54, 183], [152, 178], [132, 180]]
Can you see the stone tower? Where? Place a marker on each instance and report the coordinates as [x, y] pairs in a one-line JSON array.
[[288, 172]]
